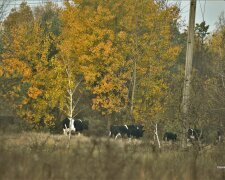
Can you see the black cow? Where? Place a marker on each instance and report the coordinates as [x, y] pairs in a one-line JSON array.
[[170, 136], [80, 125], [136, 131], [194, 134], [119, 130]]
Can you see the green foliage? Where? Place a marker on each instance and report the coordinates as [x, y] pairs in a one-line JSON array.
[[202, 30]]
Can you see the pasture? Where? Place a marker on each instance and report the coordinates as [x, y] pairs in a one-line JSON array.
[[35, 156]]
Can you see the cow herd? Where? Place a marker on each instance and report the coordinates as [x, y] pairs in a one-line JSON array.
[[193, 134], [131, 131]]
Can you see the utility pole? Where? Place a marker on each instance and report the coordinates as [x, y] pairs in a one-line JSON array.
[[188, 70]]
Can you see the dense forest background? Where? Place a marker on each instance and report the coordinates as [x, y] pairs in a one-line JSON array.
[[109, 62]]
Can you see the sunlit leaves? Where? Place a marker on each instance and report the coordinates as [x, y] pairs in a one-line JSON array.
[[29, 47], [100, 42], [106, 38]]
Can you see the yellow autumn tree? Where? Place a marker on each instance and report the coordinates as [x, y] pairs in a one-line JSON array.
[[15, 71], [29, 65], [89, 40], [124, 51]]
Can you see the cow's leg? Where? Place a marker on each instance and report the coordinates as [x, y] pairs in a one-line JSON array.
[[118, 135], [110, 133], [129, 140], [219, 138], [66, 130]]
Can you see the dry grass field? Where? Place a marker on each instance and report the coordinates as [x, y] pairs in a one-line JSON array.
[[40, 156]]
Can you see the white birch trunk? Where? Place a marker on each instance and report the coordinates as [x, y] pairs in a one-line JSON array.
[[133, 88], [156, 135], [70, 110], [135, 68]]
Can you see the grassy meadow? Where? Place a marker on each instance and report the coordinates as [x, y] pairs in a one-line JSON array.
[[30, 155]]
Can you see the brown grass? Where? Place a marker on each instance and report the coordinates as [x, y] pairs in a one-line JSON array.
[[43, 156]]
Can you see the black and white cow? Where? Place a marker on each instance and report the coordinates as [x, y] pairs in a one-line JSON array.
[[194, 134], [80, 125], [126, 130], [118, 130], [68, 124], [76, 125], [170, 136]]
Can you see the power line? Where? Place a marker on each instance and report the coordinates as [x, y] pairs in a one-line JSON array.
[[202, 10], [190, 0], [33, 2]]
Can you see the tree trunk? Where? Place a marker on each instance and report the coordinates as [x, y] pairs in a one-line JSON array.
[[133, 90], [108, 123], [156, 135], [135, 68]]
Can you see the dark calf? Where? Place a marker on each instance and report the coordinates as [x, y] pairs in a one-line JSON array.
[[136, 131], [170, 136]]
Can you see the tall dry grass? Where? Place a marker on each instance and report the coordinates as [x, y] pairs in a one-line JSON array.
[[31, 156]]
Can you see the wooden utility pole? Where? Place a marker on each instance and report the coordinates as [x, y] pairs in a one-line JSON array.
[[188, 70]]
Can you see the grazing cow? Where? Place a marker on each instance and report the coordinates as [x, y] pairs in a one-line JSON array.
[[126, 130], [118, 130], [68, 124], [136, 131], [194, 134], [80, 125], [170, 136]]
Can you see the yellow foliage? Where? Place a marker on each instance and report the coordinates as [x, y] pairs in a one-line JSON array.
[[1, 71], [28, 62], [122, 35], [104, 42], [106, 38], [34, 92], [15, 67]]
